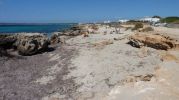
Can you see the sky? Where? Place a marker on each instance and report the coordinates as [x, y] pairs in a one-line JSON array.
[[65, 11]]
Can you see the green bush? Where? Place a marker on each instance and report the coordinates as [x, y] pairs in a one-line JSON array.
[[169, 19], [137, 26]]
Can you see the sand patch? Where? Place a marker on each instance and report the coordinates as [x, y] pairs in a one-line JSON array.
[[50, 75], [55, 96], [54, 57], [169, 57], [45, 80]]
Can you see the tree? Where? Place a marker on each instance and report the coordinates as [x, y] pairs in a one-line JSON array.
[[156, 16]]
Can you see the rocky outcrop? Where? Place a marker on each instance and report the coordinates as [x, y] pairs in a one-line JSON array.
[[30, 44], [61, 37], [156, 41], [58, 37]]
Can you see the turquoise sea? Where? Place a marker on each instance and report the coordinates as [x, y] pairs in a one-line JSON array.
[[40, 28]]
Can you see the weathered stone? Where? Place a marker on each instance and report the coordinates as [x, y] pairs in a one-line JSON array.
[[55, 38], [61, 37], [29, 44], [152, 40]]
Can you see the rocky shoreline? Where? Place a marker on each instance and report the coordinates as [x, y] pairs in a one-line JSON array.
[[91, 62], [32, 43]]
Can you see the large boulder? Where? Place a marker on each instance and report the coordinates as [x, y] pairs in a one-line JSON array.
[[31, 43], [156, 41]]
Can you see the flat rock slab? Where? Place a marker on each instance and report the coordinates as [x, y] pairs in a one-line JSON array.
[[37, 77]]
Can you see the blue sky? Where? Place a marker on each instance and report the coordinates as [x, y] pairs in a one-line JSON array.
[[38, 11]]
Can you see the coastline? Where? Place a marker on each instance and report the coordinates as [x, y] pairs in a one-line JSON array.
[[94, 62]]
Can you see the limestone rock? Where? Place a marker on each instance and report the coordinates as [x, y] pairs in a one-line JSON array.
[[61, 37], [152, 40], [30, 44]]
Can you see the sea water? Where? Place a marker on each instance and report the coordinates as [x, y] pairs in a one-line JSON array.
[[34, 28]]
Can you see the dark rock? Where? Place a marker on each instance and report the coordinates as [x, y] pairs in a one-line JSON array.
[[7, 41], [78, 27]]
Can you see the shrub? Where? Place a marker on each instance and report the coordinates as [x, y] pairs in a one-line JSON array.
[[147, 29], [169, 19], [137, 26], [176, 22]]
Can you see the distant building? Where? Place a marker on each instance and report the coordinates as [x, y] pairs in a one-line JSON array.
[[106, 21], [150, 19], [123, 21]]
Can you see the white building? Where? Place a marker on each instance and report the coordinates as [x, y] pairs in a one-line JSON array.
[[106, 22], [123, 21], [149, 19]]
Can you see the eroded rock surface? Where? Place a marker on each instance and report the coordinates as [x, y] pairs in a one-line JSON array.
[[29, 44], [61, 37], [153, 40]]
